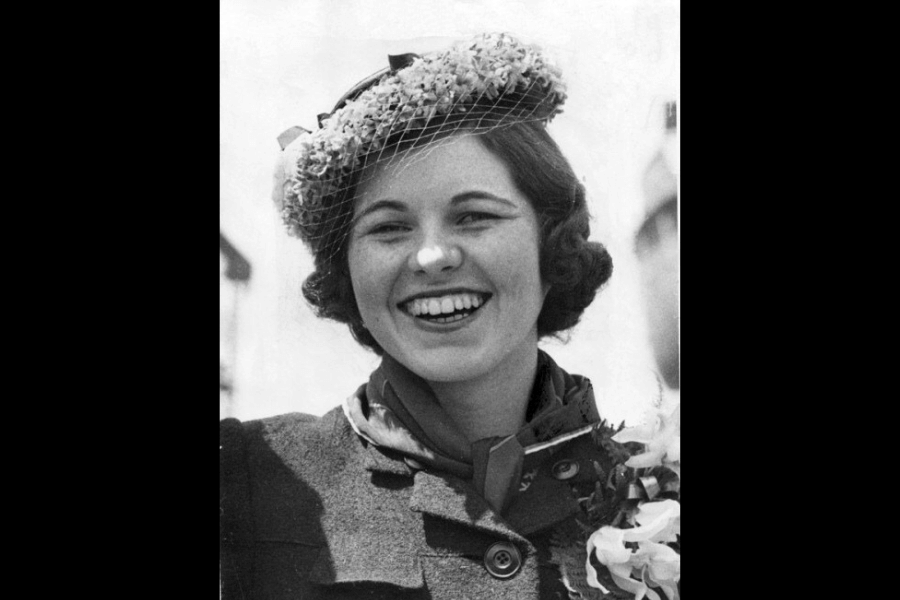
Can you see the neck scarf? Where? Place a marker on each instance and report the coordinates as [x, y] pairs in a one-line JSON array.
[[398, 410]]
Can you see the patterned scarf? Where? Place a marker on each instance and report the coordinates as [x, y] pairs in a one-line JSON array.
[[398, 410]]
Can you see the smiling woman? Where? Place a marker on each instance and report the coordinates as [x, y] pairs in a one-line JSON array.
[[457, 230], [450, 234]]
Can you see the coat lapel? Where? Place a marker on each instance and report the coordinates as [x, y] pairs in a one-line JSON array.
[[453, 499], [376, 461], [541, 502]]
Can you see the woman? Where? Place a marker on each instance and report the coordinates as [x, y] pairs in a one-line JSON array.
[[450, 234]]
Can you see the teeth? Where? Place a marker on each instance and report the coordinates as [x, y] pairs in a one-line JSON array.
[[450, 319], [444, 305]]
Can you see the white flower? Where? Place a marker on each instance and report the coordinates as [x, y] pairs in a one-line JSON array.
[[607, 543], [657, 522], [662, 440], [652, 564]]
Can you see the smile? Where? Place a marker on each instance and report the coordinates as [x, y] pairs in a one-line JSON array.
[[447, 308]]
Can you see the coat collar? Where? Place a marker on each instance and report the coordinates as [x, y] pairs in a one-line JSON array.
[[474, 484]]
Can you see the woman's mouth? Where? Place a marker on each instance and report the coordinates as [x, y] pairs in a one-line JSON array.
[[446, 308]]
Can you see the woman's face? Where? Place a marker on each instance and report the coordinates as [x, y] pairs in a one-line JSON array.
[[444, 262]]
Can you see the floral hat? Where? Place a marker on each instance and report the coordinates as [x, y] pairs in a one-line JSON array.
[[490, 81]]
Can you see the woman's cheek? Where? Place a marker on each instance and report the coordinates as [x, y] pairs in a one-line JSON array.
[[372, 270], [360, 274], [513, 252]]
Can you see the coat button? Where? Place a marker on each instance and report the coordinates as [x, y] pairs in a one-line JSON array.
[[502, 560], [565, 469]]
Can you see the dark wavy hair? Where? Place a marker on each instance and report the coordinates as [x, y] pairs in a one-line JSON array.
[[573, 267]]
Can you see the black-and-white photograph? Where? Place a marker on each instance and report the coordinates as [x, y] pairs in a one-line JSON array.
[[449, 299]]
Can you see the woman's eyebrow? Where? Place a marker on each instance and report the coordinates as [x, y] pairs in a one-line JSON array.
[[457, 199], [480, 195]]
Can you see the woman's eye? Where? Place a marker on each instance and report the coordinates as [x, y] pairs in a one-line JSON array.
[[475, 217], [388, 228]]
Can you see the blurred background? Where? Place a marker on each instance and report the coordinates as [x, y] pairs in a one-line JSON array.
[[283, 62]]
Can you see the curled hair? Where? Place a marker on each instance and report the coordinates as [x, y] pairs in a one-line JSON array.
[[573, 267]]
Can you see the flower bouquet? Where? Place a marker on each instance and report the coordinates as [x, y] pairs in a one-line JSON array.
[[627, 542]]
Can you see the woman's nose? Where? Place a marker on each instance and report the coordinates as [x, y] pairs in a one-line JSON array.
[[433, 258]]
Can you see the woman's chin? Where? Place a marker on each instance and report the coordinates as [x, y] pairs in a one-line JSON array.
[[445, 364]]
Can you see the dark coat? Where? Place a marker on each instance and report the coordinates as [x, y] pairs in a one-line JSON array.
[[310, 510]]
